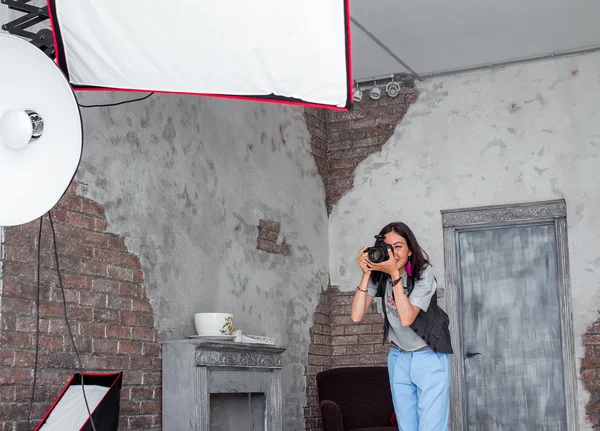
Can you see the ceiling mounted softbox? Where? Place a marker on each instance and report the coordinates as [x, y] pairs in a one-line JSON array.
[[70, 413], [267, 50]]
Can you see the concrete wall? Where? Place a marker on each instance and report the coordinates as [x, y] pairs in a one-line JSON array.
[[185, 180], [524, 133]]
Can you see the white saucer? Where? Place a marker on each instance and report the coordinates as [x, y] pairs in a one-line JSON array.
[[214, 337]]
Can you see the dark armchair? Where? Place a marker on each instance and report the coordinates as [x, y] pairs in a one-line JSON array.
[[355, 398]]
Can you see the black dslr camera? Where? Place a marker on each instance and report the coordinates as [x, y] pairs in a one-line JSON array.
[[379, 252]]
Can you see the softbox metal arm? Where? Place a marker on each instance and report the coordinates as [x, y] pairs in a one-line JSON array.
[[33, 15]]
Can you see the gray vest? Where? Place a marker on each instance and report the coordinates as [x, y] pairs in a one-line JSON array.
[[433, 325]]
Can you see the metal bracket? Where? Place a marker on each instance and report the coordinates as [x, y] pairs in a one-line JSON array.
[[33, 15]]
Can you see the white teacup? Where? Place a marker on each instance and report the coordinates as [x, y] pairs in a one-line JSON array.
[[213, 323]]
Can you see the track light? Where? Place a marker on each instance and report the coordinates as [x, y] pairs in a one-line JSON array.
[[375, 92], [393, 88], [358, 94]]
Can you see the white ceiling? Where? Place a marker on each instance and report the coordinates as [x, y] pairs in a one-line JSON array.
[[437, 36]]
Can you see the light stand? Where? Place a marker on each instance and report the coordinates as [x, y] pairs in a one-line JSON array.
[[33, 15]]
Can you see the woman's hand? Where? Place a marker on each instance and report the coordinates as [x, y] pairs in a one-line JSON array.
[[363, 261], [388, 266]]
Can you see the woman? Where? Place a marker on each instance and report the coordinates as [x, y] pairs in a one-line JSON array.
[[418, 364]]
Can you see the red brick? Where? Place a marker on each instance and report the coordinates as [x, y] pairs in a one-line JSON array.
[[141, 422], [119, 332], [151, 349], [77, 281], [591, 339], [92, 298], [94, 268], [96, 330], [370, 339], [269, 224], [129, 289], [140, 393], [357, 329], [119, 303], [95, 238], [116, 243], [116, 272], [144, 334], [118, 258], [91, 207], [13, 376], [138, 276], [24, 273], [344, 340], [79, 313], [101, 225], [105, 346], [268, 246], [136, 319], [319, 350], [267, 234], [103, 315], [51, 342], [129, 348], [17, 306], [81, 220], [68, 232], [141, 305]]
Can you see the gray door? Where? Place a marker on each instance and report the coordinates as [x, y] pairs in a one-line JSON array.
[[510, 329]]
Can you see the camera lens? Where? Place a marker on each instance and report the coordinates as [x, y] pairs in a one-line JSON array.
[[375, 255]]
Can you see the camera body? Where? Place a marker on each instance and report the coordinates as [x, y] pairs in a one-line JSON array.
[[379, 252]]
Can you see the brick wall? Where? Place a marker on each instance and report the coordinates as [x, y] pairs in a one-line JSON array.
[[316, 122], [268, 237], [110, 316], [352, 136], [336, 342], [590, 372]]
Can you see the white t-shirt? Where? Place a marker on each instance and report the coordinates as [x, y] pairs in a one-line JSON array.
[[421, 295]]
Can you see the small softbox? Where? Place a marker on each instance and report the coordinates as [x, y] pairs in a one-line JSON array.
[[269, 50], [69, 411]]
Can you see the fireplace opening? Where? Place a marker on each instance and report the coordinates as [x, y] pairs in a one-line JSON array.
[[238, 411]]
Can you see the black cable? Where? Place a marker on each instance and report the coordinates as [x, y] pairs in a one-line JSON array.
[[117, 103], [37, 324], [64, 300]]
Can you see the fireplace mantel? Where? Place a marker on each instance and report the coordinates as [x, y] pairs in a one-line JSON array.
[[195, 369]]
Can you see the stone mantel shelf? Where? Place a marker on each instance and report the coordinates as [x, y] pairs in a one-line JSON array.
[[231, 354]]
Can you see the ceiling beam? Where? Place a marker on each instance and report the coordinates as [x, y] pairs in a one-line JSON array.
[[510, 62], [384, 47]]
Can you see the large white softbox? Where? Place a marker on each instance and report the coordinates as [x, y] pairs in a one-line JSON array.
[[294, 51]]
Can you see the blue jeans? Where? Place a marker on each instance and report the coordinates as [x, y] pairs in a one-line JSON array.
[[420, 383]]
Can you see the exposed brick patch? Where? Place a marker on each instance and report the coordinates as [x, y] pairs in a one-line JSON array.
[[336, 341], [350, 137], [110, 316], [268, 232], [316, 122], [590, 372]]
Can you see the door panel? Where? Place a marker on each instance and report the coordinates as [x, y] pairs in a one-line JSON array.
[[509, 304]]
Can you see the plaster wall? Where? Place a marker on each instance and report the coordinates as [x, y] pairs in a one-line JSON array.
[[524, 133], [185, 180]]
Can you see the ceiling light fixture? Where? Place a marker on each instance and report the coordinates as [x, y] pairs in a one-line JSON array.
[[392, 88], [375, 92], [358, 94]]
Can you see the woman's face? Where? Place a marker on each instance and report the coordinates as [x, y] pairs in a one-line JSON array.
[[401, 251]]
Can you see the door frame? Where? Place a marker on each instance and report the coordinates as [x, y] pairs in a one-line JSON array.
[[457, 220]]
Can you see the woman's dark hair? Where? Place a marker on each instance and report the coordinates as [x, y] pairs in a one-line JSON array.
[[418, 260]]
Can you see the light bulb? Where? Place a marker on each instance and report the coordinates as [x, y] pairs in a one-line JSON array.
[[16, 128]]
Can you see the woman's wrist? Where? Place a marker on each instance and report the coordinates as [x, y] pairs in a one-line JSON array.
[[395, 278]]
